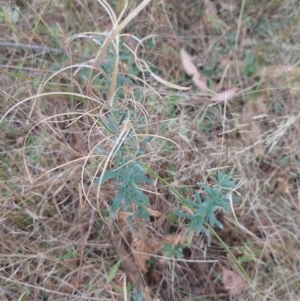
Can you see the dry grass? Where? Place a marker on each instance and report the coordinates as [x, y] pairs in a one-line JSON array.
[[57, 241]]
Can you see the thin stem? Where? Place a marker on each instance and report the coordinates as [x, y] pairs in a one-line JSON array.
[[32, 47], [36, 47]]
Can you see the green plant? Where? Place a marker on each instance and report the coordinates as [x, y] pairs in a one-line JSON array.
[[204, 209], [138, 296], [130, 197], [173, 250], [126, 126], [129, 174]]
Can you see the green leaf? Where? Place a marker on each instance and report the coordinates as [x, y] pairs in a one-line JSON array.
[[173, 250], [68, 254], [183, 215], [141, 197], [112, 124], [109, 174], [101, 150], [224, 180], [124, 115], [128, 290], [250, 64], [117, 202], [191, 203], [139, 175], [113, 271], [121, 79], [138, 296], [15, 16], [142, 212], [204, 210]]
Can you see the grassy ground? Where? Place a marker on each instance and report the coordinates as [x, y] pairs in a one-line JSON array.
[[57, 240]]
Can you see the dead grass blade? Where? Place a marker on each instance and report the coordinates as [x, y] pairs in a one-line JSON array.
[[121, 25], [224, 95], [279, 71], [252, 136], [187, 63], [200, 80], [190, 68], [228, 6]]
